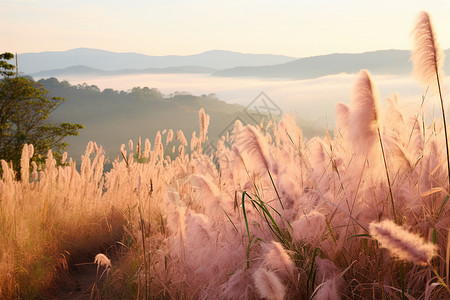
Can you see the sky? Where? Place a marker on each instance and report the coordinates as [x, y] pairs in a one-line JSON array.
[[183, 27]]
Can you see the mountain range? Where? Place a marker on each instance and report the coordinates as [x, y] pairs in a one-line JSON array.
[[85, 70], [30, 63], [94, 62], [377, 62]]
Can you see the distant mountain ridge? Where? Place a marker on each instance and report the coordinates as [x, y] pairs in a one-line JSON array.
[[83, 61], [393, 62], [111, 61], [85, 70]]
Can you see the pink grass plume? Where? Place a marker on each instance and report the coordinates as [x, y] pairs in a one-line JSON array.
[[426, 56], [268, 284], [402, 243]]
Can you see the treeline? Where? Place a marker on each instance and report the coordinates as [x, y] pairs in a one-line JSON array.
[[113, 117], [136, 93]]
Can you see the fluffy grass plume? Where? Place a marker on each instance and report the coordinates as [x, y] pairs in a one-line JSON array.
[[27, 154], [268, 285], [204, 124], [360, 119], [209, 195], [253, 145], [236, 287], [426, 56], [181, 138], [309, 227], [102, 260], [327, 291], [169, 136], [402, 243], [277, 259], [428, 59]]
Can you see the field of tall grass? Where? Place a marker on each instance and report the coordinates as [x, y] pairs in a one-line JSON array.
[[360, 214]]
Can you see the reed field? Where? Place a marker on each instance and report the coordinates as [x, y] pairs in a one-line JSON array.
[[362, 213]]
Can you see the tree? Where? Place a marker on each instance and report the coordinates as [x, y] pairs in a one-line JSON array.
[[25, 107], [5, 67], [146, 94]]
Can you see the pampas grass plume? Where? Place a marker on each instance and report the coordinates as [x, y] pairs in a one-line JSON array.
[[102, 260], [147, 148], [327, 291], [236, 287], [342, 115], [157, 139], [326, 269], [175, 212], [25, 164], [426, 56], [291, 130], [251, 142], [364, 115], [427, 59], [237, 128], [194, 141], [209, 194], [402, 243], [181, 138], [169, 136], [309, 227], [268, 284], [30, 151], [204, 123], [277, 259], [360, 119], [34, 172], [64, 157]]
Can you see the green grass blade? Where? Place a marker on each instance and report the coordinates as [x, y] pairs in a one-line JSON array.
[[276, 191], [245, 214], [232, 223], [442, 207], [311, 272], [359, 235]]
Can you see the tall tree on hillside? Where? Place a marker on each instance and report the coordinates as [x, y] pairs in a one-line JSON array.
[[25, 107]]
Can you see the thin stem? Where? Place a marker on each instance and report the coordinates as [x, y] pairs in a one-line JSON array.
[[387, 176], [273, 183], [445, 126], [147, 274], [441, 281], [402, 279]]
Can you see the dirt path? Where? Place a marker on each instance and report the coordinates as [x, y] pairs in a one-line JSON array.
[[81, 283]]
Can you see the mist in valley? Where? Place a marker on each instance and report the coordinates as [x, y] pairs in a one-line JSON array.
[[311, 99], [312, 102]]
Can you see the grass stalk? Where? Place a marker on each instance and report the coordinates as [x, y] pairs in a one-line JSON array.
[[142, 225], [387, 176], [273, 183], [312, 272], [445, 125], [402, 279], [440, 279], [248, 230]]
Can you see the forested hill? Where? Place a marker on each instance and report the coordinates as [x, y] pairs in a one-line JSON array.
[[112, 118]]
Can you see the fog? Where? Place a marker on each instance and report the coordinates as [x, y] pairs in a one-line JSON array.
[[312, 99]]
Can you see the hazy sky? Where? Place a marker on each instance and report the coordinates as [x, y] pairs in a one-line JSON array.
[[161, 27]]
